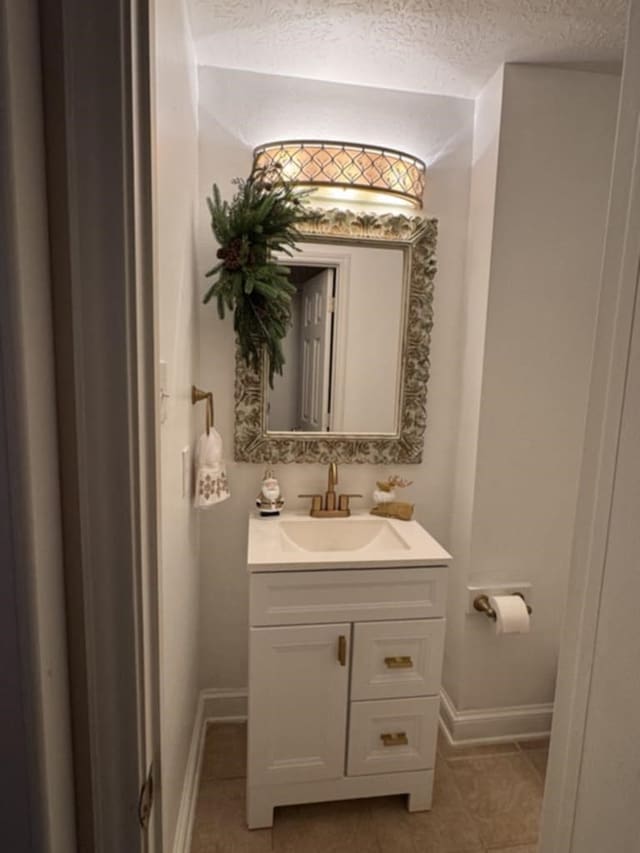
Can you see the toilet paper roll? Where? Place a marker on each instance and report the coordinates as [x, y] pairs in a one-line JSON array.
[[511, 614]]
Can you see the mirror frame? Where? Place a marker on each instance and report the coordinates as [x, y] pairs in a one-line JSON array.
[[254, 443]]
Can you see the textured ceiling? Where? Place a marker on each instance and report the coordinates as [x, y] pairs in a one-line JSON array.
[[448, 47]]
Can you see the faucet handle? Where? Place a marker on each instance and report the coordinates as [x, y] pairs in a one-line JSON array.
[[343, 501], [316, 502]]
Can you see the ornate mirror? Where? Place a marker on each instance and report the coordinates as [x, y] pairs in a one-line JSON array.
[[354, 384]]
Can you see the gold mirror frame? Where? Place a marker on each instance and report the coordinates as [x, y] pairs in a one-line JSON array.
[[252, 441]]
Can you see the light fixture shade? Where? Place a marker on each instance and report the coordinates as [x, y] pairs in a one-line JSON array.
[[345, 169]]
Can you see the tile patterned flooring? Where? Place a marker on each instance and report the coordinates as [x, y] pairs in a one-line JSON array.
[[486, 798]]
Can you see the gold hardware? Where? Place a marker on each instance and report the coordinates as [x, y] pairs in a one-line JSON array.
[[329, 513], [403, 662], [196, 396], [332, 479], [343, 501], [394, 739], [482, 604], [316, 503], [528, 606], [342, 650], [329, 507]]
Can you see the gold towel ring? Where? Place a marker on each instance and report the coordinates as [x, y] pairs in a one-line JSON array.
[[196, 396]]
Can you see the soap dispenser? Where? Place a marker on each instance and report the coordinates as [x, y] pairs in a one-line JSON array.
[[269, 501]]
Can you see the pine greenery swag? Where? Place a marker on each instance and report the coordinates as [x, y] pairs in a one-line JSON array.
[[260, 219]]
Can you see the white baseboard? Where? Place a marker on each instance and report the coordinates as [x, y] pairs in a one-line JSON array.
[[186, 812], [214, 705], [492, 725], [225, 704]]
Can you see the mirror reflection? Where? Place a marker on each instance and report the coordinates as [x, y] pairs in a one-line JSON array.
[[343, 352]]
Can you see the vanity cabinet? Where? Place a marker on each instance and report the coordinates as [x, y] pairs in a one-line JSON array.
[[344, 680]]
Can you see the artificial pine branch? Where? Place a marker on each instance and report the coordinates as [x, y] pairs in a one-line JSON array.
[[260, 219]]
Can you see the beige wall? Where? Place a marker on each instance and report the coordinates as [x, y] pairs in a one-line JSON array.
[[175, 128]]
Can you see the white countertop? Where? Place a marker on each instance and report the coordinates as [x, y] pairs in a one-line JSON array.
[[397, 544]]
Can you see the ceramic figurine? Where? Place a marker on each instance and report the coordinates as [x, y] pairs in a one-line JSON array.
[[269, 501], [386, 491]]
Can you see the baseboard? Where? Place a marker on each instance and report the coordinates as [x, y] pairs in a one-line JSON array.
[[225, 704], [186, 812], [489, 725], [214, 705], [492, 725]]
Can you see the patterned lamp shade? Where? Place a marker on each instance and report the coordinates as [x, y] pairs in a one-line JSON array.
[[347, 171]]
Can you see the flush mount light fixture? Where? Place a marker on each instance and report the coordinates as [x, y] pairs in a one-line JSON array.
[[347, 171]]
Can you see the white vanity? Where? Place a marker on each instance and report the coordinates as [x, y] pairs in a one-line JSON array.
[[346, 642]]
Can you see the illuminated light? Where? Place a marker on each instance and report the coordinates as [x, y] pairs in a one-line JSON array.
[[346, 171]]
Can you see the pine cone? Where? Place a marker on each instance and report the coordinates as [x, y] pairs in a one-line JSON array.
[[231, 255]]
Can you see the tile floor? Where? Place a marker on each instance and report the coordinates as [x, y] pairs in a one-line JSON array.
[[485, 799]]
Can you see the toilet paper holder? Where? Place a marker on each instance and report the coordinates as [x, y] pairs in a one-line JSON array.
[[482, 605]]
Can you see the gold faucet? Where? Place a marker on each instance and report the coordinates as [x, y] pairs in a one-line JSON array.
[[332, 479], [327, 508]]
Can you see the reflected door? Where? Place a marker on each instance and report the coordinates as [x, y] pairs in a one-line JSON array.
[[315, 351]]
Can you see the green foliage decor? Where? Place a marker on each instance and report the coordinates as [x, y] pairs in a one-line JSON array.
[[260, 220]]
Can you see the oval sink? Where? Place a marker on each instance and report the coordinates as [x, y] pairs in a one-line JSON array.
[[341, 534]]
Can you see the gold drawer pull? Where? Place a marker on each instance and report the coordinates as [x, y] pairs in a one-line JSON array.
[[399, 662], [394, 739], [342, 650]]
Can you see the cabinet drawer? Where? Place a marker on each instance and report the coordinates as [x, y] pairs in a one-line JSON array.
[[358, 595], [397, 659], [390, 735]]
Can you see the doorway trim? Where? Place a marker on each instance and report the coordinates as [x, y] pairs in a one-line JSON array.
[[604, 419], [107, 405], [97, 128]]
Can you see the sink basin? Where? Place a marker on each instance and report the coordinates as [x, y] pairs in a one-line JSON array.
[[294, 542], [344, 534]]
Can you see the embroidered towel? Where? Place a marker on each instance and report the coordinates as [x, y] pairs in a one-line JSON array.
[[212, 485]]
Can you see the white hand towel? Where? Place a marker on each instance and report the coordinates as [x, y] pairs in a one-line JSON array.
[[212, 485]]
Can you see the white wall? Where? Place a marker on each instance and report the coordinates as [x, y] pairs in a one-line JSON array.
[[555, 147], [484, 175], [239, 110], [511, 345], [176, 151]]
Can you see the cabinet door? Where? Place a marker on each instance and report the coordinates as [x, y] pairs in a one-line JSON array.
[[298, 683]]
